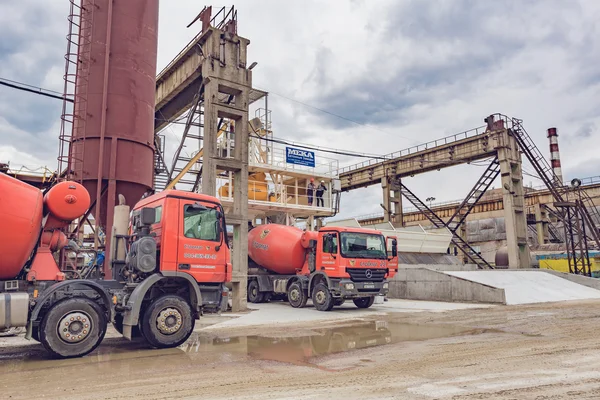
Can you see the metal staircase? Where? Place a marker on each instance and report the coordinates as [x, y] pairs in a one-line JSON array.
[[459, 242], [476, 193], [161, 173], [577, 212], [195, 118]]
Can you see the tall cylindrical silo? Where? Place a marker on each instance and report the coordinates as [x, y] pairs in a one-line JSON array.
[[113, 146]]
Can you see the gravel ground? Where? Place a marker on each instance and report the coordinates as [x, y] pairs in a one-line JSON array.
[[541, 351]]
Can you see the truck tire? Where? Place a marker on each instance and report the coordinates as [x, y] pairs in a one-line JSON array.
[[167, 322], [297, 297], [322, 298], [73, 327], [364, 302], [254, 295]]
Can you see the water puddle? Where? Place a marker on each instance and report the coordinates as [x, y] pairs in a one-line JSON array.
[[299, 350], [203, 349]]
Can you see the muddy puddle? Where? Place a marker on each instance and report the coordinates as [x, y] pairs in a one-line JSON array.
[[120, 356]]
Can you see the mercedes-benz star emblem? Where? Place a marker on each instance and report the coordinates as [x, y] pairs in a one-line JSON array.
[[369, 273]]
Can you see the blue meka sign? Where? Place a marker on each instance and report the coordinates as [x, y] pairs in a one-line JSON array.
[[299, 157]]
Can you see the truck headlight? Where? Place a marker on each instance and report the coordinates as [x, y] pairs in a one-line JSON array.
[[349, 286], [386, 285]]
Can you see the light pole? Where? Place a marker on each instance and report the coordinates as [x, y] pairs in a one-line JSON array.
[[430, 199]]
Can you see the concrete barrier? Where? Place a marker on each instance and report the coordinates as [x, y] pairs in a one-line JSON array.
[[427, 284]]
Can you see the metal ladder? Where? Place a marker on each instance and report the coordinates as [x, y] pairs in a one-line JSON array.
[[459, 242], [76, 82]]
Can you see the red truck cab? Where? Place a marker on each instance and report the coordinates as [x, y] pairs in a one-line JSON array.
[[190, 234], [330, 266], [356, 262]]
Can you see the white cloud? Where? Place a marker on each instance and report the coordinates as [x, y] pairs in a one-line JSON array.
[[410, 71]]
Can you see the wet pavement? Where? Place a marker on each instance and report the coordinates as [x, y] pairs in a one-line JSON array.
[[202, 348]]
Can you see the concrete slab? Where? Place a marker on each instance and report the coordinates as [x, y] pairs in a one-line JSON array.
[[525, 287], [276, 313]]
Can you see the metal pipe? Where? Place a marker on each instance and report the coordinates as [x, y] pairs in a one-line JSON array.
[[103, 125]]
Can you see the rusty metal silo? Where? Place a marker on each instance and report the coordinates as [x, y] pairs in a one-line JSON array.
[[112, 150]]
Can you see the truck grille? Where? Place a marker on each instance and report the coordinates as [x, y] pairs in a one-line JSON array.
[[361, 275]]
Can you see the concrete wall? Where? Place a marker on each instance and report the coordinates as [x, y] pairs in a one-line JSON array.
[[441, 267], [427, 284]]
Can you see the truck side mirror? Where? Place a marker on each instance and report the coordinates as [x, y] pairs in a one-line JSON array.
[[147, 216], [394, 248], [218, 228]]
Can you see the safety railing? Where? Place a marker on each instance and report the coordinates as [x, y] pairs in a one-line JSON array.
[[268, 154], [415, 149], [42, 172], [272, 193]]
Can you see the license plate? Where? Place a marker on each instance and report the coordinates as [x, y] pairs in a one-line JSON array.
[[369, 286]]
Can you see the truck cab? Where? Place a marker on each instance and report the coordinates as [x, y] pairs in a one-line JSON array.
[[351, 263], [190, 234]]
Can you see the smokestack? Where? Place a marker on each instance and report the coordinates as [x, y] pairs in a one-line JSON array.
[[555, 154]]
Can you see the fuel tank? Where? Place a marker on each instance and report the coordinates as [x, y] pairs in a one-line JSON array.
[[65, 202], [278, 248], [21, 208]]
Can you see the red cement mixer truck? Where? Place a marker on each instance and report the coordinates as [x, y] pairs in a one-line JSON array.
[[329, 266], [175, 265]]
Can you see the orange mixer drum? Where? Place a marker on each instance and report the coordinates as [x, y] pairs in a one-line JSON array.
[[277, 248], [20, 224]]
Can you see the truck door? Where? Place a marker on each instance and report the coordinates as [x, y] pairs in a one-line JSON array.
[[391, 245], [201, 249], [327, 259]]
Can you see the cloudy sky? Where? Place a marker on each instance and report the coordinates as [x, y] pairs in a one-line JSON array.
[[405, 72]]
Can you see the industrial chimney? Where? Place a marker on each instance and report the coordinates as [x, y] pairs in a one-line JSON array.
[[555, 154]]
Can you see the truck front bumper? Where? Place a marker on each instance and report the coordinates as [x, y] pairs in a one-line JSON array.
[[347, 289]]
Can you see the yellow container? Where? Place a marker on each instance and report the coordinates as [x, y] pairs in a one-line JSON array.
[[560, 262]]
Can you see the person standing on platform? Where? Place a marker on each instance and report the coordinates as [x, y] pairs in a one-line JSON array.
[[310, 191], [320, 190]]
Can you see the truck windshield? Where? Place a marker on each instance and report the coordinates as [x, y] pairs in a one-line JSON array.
[[362, 245]]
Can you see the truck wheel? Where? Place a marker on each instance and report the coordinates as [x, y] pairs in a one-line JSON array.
[[118, 325], [322, 298], [167, 322], [73, 328], [364, 302], [297, 297], [254, 295]]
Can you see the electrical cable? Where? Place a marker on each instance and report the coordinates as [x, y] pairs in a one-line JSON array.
[[320, 149], [33, 89], [339, 116]]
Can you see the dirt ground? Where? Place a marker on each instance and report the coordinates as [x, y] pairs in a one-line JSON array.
[[545, 351]]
